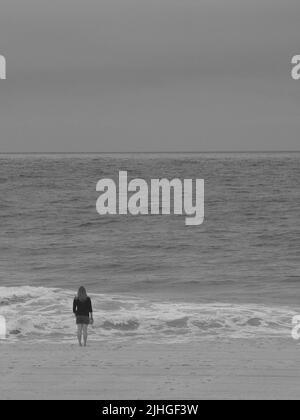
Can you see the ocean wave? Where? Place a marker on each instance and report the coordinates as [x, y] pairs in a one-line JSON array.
[[39, 313], [292, 279]]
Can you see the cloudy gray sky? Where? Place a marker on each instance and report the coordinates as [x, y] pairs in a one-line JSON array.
[[149, 75]]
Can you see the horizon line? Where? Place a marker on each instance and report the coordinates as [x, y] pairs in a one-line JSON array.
[[150, 152]]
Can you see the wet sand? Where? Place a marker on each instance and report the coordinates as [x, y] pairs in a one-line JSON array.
[[236, 369]]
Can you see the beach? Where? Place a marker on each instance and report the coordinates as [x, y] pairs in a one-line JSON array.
[[149, 184], [180, 312], [232, 369]]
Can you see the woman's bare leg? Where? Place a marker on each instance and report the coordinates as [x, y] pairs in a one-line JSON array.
[[85, 334], [79, 333]]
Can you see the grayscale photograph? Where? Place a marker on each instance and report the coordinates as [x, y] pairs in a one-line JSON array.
[[150, 203]]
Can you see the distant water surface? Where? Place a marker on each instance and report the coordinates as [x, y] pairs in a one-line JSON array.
[[246, 252]]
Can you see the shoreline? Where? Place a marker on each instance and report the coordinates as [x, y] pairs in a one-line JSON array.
[[215, 369]]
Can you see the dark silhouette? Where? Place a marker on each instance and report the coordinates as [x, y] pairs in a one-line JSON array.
[[82, 308]]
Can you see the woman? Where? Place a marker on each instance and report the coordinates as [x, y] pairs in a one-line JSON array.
[[82, 308]]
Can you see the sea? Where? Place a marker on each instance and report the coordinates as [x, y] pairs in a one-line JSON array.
[[150, 277]]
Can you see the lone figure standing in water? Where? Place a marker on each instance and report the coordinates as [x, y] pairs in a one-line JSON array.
[[82, 308]]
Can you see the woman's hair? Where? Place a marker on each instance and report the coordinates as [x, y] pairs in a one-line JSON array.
[[81, 295]]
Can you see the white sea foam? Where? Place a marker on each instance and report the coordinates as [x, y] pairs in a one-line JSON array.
[[39, 313]]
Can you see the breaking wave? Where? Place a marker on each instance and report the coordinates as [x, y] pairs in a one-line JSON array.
[[39, 313]]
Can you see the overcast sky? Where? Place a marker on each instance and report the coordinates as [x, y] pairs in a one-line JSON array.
[[149, 75]]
